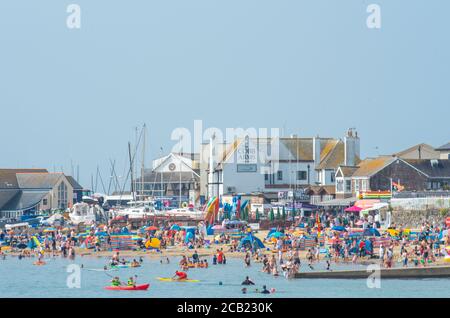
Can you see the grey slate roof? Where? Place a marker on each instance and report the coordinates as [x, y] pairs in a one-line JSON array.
[[75, 185], [38, 180], [24, 200], [8, 178], [6, 196], [432, 168], [444, 147]]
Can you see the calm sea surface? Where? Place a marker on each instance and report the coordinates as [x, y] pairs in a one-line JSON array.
[[19, 278]]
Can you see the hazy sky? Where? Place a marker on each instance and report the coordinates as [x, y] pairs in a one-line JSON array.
[[311, 66]]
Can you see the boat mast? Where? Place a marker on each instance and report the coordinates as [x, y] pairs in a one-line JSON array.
[[131, 171], [143, 163]]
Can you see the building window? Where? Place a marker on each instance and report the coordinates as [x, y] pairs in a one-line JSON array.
[[348, 186], [62, 196], [364, 185], [301, 175], [280, 175], [332, 177], [339, 185], [356, 185], [44, 202], [266, 177]]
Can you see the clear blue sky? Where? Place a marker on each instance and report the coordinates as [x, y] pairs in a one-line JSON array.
[[311, 66]]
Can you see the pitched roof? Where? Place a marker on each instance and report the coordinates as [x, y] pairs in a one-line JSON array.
[[432, 168], [75, 185], [426, 152], [370, 166], [444, 147], [335, 156], [6, 195], [348, 171], [24, 200], [38, 180], [8, 178], [317, 189]]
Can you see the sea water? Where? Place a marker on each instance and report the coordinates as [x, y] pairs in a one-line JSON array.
[[20, 278]]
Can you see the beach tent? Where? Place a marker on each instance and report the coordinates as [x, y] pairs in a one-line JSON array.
[[190, 233], [189, 236], [369, 247], [210, 230], [250, 241]]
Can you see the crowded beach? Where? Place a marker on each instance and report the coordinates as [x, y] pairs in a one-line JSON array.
[[291, 244]]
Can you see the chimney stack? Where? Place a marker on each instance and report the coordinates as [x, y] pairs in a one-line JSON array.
[[351, 146], [316, 150]]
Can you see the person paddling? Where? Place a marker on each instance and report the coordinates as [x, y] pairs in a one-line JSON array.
[[180, 276], [131, 282], [116, 282]]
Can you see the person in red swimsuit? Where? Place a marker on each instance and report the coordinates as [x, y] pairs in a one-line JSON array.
[[180, 275]]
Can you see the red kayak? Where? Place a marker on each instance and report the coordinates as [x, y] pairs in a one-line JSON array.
[[137, 287]]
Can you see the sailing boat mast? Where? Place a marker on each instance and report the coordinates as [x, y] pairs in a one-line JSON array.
[[131, 171], [143, 162]]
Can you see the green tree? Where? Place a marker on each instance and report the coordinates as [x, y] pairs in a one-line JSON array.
[[283, 214], [271, 215], [278, 213], [257, 216]]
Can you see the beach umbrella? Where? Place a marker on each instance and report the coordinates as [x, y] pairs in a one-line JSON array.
[[175, 227], [359, 223], [50, 229], [338, 228], [151, 228], [277, 235], [371, 232], [353, 209]]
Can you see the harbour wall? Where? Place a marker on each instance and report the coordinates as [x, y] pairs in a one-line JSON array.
[[393, 273]]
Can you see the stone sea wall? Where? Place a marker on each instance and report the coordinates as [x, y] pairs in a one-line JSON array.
[[413, 212]]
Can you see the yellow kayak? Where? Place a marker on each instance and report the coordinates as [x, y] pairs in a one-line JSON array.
[[167, 279]]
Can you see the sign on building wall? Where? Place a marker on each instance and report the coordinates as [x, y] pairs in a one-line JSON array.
[[247, 157]]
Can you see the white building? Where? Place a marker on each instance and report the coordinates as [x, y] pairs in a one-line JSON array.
[[172, 176], [273, 165]]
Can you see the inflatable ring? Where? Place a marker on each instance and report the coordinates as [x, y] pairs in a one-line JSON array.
[[185, 205]]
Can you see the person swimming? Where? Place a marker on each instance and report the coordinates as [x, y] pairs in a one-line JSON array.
[[265, 290], [247, 282]]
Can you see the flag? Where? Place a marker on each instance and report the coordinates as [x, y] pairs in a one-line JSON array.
[[318, 224], [397, 187]]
